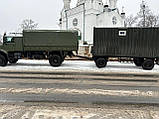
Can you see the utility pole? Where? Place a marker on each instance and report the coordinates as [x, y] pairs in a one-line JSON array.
[[144, 17]]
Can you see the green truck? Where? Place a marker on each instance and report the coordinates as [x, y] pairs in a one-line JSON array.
[[53, 45]]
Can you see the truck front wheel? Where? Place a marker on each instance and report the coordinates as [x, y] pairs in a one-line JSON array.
[[101, 62], [3, 61], [148, 64], [55, 60]]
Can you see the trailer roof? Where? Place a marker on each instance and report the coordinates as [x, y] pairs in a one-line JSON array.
[[128, 27], [49, 31]]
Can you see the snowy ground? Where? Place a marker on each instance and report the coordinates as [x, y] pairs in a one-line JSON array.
[[89, 66], [75, 111]]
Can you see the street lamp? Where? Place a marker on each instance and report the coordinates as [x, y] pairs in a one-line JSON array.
[[144, 17]]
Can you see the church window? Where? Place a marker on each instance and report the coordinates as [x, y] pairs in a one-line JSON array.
[[75, 22], [114, 20]]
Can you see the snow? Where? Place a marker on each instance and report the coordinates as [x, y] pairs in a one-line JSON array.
[[76, 65], [94, 91]]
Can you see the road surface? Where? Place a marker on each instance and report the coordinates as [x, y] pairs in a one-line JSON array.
[[71, 93]]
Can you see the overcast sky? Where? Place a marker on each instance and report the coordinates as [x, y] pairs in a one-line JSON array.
[[47, 12]]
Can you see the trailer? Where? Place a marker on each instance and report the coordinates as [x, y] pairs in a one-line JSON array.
[[140, 44]]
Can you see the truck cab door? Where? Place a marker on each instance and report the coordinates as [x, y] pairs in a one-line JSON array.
[[18, 44]]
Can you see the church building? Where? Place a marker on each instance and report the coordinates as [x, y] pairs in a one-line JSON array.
[[88, 14]]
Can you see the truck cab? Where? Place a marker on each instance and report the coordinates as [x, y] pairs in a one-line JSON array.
[[11, 43]]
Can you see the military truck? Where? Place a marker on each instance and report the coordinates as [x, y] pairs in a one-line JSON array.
[[139, 44], [53, 45]]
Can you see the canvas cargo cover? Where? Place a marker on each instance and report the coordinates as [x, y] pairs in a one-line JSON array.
[[50, 39], [129, 42]]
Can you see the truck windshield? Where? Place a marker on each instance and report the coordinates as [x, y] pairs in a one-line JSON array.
[[9, 40]]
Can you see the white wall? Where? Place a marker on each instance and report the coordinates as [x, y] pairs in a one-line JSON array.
[[103, 19]]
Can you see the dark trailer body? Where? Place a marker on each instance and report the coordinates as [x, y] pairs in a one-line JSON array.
[[141, 44]]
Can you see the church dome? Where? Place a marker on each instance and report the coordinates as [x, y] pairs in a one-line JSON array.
[[79, 2]]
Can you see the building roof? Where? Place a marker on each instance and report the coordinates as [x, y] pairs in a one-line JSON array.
[[79, 2]]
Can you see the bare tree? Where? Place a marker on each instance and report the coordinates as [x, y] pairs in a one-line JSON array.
[[28, 24], [152, 21], [145, 17], [130, 21]]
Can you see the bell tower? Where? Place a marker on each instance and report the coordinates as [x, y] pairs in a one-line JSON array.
[[79, 2], [66, 4]]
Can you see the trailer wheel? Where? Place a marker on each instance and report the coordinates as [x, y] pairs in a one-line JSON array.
[[138, 61], [3, 61], [55, 60], [148, 64], [13, 60], [101, 62]]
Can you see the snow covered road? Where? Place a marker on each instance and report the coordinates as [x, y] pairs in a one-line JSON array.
[[88, 66], [77, 81]]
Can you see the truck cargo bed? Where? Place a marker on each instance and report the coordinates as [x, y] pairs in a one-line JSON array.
[[50, 40]]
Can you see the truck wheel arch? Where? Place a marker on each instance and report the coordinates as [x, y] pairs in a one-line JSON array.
[[60, 53]]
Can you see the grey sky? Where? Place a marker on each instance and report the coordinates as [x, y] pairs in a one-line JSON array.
[[47, 12]]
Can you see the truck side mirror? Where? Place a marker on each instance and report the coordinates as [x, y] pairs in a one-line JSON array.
[[4, 40], [4, 34]]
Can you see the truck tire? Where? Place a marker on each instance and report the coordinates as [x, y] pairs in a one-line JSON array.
[[3, 61], [148, 64], [101, 62], [13, 61], [55, 60], [138, 61]]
